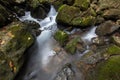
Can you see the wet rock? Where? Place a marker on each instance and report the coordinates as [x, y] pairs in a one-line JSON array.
[[66, 74], [71, 15], [4, 15], [33, 26], [75, 44], [107, 4], [82, 4], [99, 40], [19, 12], [106, 70], [39, 13], [14, 40], [66, 14], [113, 14], [116, 39], [58, 3], [106, 28], [99, 20], [61, 37]]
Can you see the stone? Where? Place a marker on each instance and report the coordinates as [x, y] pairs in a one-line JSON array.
[[75, 44], [82, 4], [116, 38], [113, 14], [66, 74], [61, 37], [70, 15], [106, 70], [14, 40], [106, 28]]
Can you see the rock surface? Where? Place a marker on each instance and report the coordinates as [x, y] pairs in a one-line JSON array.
[[14, 40]]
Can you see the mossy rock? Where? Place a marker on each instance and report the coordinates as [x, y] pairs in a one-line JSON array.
[[72, 45], [113, 50], [82, 4], [106, 70], [61, 37], [14, 40], [36, 3], [83, 21], [66, 14]]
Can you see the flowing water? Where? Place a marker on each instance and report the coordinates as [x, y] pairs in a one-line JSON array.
[[44, 63]]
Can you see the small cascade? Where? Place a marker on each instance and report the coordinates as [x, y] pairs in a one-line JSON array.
[[44, 63]]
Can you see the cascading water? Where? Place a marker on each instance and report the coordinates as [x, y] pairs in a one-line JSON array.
[[44, 63]]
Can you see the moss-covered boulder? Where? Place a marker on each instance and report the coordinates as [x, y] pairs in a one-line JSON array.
[[14, 40], [61, 37], [71, 15], [66, 14], [82, 4], [59, 3], [106, 70], [75, 44]]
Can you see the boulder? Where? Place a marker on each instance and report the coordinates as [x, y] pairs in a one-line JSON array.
[[61, 37], [70, 15], [101, 64], [66, 74], [113, 14], [82, 4], [106, 70], [106, 28], [74, 45], [14, 40]]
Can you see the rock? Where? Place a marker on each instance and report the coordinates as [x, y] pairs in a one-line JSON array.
[[58, 3], [118, 22], [36, 3], [61, 37], [99, 20], [14, 40], [33, 26], [75, 44], [19, 1], [99, 40], [106, 28], [82, 4], [18, 11], [39, 12], [71, 15], [116, 39], [66, 14], [107, 4], [113, 14], [4, 16], [106, 70], [66, 74]]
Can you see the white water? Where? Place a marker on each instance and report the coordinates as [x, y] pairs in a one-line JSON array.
[[44, 62], [89, 34]]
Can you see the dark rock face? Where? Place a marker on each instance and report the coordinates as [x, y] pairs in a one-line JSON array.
[[106, 28], [14, 40]]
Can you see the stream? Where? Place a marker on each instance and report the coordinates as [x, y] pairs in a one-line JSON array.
[[44, 63]]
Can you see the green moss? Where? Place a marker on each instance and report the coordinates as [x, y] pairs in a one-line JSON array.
[[71, 46], [113, 50], [107, 70], [66, 14], [110, 70], [61, 37], [83, 4], [83, 21]]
